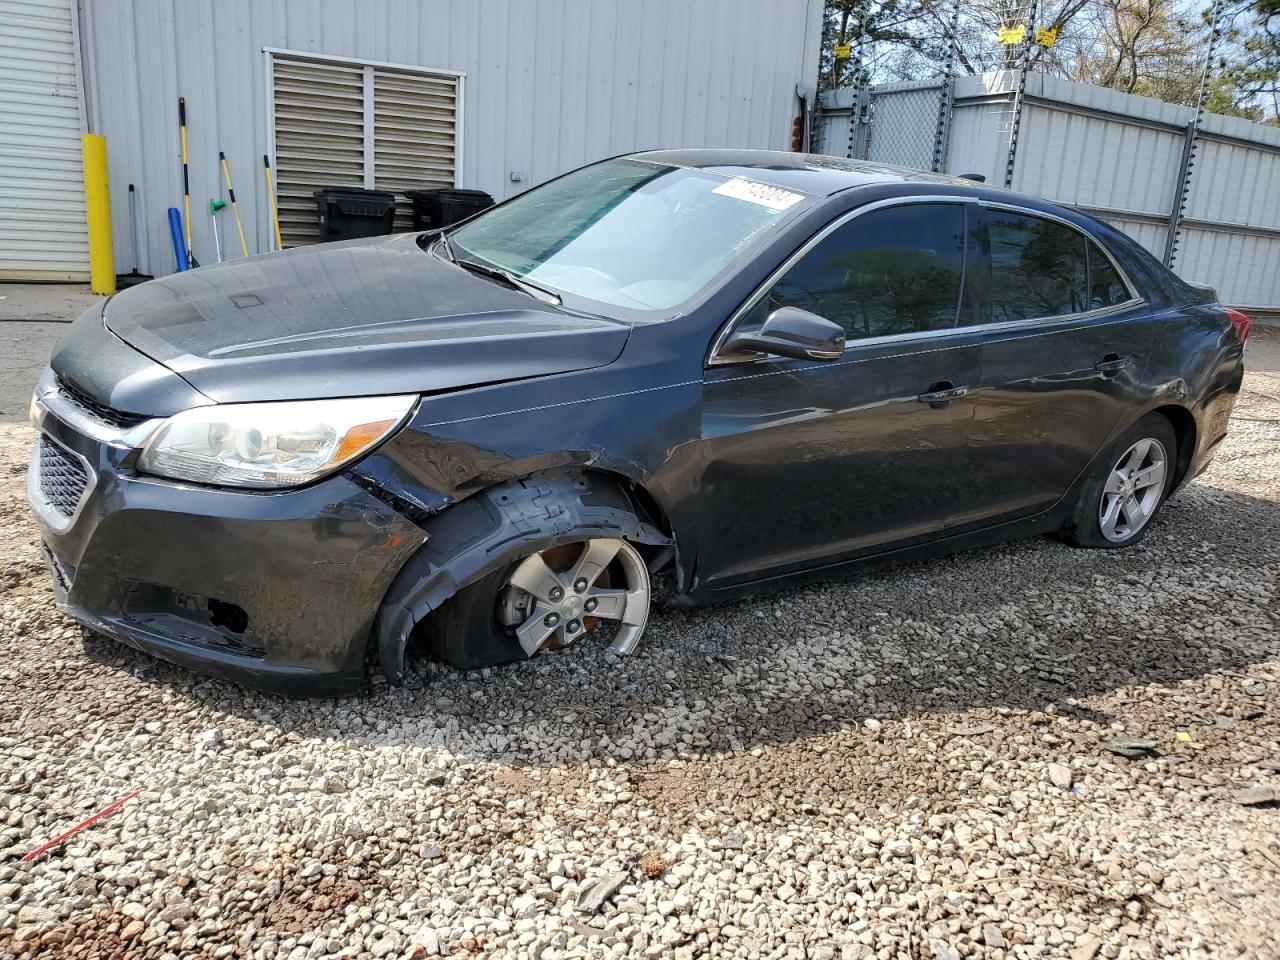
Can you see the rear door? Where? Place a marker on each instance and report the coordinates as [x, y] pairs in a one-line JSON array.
[[808, 461], [1065, 345]]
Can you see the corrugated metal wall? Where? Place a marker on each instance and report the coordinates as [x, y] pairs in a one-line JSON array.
[[1115, 155], [549, 85]]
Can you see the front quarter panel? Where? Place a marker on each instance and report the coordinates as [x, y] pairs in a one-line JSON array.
[[635, 418]]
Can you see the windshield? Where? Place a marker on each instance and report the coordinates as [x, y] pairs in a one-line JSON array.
[[627, 233]]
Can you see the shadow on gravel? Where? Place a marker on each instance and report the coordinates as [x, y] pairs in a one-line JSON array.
[[1020, 626]]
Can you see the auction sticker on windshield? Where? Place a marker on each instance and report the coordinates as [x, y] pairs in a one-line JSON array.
[[775, 198]]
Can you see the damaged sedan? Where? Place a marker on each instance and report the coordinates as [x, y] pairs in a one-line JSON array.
[[735, 369]]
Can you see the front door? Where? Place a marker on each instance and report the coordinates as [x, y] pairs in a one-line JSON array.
[[807, 462], [1066, 345]]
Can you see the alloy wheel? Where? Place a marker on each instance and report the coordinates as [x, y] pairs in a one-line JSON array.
[[557, 596], [1132, 490]]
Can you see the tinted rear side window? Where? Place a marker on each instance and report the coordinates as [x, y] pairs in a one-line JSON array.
[[1039, 268], [1106, 289], [892, 271]]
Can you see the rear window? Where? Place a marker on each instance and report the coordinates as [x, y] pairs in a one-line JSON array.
[[1106, 289], [1039, 268]]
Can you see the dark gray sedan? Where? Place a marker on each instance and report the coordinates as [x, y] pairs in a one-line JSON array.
[[740, 367]]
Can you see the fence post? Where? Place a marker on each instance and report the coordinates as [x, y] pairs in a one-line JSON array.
[[946, 96], [1018, 95], [1183, 192], [1179, 194], [859, 105]]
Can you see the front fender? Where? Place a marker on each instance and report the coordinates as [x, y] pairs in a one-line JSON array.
[[494, 528]]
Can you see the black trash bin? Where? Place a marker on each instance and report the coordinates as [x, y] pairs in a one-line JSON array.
[[350, 212], [433, 209]]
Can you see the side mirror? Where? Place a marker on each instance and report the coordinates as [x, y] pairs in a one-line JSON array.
[[791, 332]]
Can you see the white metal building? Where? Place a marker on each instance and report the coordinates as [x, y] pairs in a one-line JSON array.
[[393, 94]]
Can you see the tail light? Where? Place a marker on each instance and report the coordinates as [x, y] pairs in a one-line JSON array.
[[1241, 323], [797, 134]]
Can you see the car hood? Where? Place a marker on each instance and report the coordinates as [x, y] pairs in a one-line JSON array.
[[375, 316]]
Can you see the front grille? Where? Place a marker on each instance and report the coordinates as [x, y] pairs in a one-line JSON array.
[[98, 411], [62, 478]]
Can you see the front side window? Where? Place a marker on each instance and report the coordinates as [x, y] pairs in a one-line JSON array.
[[891, 271], [628, 233], [1038, 267]]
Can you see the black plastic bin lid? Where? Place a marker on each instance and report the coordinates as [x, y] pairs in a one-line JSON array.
[[353, 193], [449, 194]]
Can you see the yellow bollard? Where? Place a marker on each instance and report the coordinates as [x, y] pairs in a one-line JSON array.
[[97, 208]]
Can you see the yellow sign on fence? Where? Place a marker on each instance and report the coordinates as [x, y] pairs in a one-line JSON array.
[[843, 50], [1015, 34], [1046, 36]]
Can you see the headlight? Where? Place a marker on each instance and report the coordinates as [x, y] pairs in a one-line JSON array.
[[270, 444]]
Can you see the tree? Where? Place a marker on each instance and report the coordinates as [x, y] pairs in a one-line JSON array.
[[909, 39], [1155, 48], [1141, 46], [1248, 77]]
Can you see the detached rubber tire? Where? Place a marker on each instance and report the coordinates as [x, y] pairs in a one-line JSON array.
[[1112, 476], [465, 632]]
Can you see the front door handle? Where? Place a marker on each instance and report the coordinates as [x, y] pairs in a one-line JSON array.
[[1112, 364], [939, 395]]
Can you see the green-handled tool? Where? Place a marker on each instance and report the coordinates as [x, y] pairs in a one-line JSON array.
[[214, 207]]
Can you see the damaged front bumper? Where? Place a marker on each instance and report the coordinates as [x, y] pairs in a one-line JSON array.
[[274, 590]]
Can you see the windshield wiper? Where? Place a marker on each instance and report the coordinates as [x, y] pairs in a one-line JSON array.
[[448, 247], [507, 277]]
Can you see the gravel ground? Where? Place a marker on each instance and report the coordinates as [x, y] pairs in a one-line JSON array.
[[910, 763]]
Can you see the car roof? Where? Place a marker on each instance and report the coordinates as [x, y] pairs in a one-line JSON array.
[[809, 173]]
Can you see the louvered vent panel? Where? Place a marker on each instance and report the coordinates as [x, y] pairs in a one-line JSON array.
[[415, 135], [319, 138]]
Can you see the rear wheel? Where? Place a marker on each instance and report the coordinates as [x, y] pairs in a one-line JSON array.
[[1127, 487]]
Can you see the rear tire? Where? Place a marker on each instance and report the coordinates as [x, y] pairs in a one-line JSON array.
[[1125, 489]]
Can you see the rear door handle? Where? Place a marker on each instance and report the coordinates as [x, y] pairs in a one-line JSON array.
[[940, 394], [1112, 364]]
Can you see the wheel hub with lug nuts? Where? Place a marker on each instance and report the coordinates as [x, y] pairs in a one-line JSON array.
[[557, 596], [1132, 490]]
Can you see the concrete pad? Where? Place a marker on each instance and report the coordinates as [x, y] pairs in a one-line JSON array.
[[24, 352], [58, 302]]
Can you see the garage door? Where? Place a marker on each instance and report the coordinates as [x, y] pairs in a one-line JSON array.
[[42, 225]]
